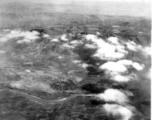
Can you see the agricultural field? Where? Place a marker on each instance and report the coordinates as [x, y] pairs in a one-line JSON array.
[[57, 65]]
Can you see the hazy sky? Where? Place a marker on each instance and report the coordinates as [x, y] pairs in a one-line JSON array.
[[66, 1], [118, 7], [108, 7], [122, 0]]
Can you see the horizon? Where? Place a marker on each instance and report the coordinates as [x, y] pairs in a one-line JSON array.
[[133, 8]]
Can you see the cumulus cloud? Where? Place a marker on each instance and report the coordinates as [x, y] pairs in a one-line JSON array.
[[113, 40], [118, 111], [75, 43], [144, 50], [108, 54], [30, 35], [35, 33], [91, 37], [95, 40], [126, 62], [113, 95], [121, 49], [109, 51], [114, 67], [55, 40], [121, 78], [84, 65], [77, 61], [23, 41], [26, 36], [131, 46], [130, 63], [138, 66], [46, 36], [147, 50], [90, 46], [64, 38], [119, 71]]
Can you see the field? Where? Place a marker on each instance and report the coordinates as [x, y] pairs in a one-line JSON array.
[[57, 63]]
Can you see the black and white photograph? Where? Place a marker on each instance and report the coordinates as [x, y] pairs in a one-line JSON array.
[[75, 59]]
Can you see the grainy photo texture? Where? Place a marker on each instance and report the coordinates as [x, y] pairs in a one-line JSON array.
[[75, 59]]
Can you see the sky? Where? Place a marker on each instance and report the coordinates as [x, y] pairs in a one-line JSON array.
[[114, 7], [106, 7], [121, 0], [66, 1]]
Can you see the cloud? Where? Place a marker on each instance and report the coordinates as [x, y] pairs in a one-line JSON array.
[[118, 111], [75, 43], [119, 71], [24, 36], [138, 66], [113, 40], [121, 78], [90, 46], [64, 38], [55, 40], [113, 95], [126, 62], [108, 50], [114, 68]]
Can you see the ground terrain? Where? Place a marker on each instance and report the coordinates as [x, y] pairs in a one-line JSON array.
[[48, 73]]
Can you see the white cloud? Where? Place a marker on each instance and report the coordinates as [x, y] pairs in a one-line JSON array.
[[30, 35], [138, 66], [75, 43], [46, 36], [24, 41], [90, 46], [55, 40], [108, 51], [91, 37], [118, 111], [113, 40], [121, 78], [146, 51], [121, 49], [113, 95], [64, 38], [114, 67], [126, 62], [130, 63], [25, 35], [131, 46], [84, 65]]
